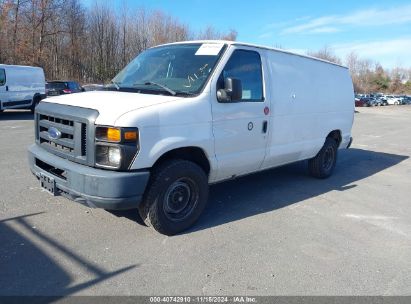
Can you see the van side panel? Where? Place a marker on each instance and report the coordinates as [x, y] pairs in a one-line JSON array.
[[309, 99], [22, 84]]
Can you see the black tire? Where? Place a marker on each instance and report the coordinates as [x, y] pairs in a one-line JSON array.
[[175, 197], [323, 164], [36, 100]]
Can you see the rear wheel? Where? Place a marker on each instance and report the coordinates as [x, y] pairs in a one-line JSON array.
[[175, 197], [323, 164]]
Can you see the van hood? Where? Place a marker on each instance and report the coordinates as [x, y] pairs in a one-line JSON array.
[[111, 104]]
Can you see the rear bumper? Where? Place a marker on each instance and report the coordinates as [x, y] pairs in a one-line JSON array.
[[93, 187]]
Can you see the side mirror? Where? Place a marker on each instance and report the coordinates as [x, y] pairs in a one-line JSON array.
[[233, 90]]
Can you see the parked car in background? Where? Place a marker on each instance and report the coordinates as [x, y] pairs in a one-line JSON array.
[[21, 87], [359, 102], [378, 101], [401, 98], [383, 101], [406, 100], [368, 102], [373, 102], [392, 100], [55, 88], [93, 87]]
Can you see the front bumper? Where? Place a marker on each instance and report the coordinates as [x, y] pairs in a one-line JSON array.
[[89, 186]]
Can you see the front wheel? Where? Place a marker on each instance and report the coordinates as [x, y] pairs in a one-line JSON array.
[[323, 164], [175, 198]]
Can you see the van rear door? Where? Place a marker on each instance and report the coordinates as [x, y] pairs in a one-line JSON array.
[[240, 127]]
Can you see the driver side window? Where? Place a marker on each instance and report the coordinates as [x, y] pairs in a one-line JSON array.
[[245, 66]]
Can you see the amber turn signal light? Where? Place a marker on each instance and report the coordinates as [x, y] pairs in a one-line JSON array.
[[113, 135], [130, 135]]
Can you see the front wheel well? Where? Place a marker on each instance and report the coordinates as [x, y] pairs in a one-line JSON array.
[[336, 135], [193, 154]]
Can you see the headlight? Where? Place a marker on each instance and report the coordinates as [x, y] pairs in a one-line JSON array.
[[116, 148], [114, 155], [108, 156]]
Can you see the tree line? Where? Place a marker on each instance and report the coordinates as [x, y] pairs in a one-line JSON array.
[[71, 41], [369, 76], [91, 44]]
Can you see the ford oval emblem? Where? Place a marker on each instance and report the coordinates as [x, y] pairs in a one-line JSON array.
[[54, 133]]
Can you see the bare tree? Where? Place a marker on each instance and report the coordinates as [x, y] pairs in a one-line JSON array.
[[326, 54], [72, 42], [210, 33]]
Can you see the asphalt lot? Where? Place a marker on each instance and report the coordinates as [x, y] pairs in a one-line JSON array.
[[279, 232]]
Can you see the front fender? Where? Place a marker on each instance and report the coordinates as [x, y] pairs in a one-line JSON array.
[[152, 148]]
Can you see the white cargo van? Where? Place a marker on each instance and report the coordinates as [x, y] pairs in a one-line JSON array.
[[21, 87], [182, 116]]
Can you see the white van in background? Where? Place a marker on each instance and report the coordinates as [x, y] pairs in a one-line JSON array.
[[185, 115], [21, 87]]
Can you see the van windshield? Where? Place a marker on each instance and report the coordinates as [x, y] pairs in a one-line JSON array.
[[56, 85], [181, 69]]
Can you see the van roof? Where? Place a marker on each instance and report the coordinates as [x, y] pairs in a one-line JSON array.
[[18, 66], [228, 42]]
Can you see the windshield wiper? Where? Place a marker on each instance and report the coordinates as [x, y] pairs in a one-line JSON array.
[[116, 84], [185, 93], [165, 88]]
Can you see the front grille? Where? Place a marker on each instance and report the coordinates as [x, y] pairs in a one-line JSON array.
[[66, 143], [66, 131], [83, 139]]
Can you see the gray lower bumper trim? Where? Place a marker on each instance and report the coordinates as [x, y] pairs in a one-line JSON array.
[[90, 186]]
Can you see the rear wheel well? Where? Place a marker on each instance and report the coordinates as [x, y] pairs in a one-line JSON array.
[[193, 154], [336, 135]]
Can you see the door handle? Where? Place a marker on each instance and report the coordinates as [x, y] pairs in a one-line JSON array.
[[7, 88], [265, 126]]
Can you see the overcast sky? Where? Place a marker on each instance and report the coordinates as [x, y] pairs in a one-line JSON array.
[[378, 30]]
